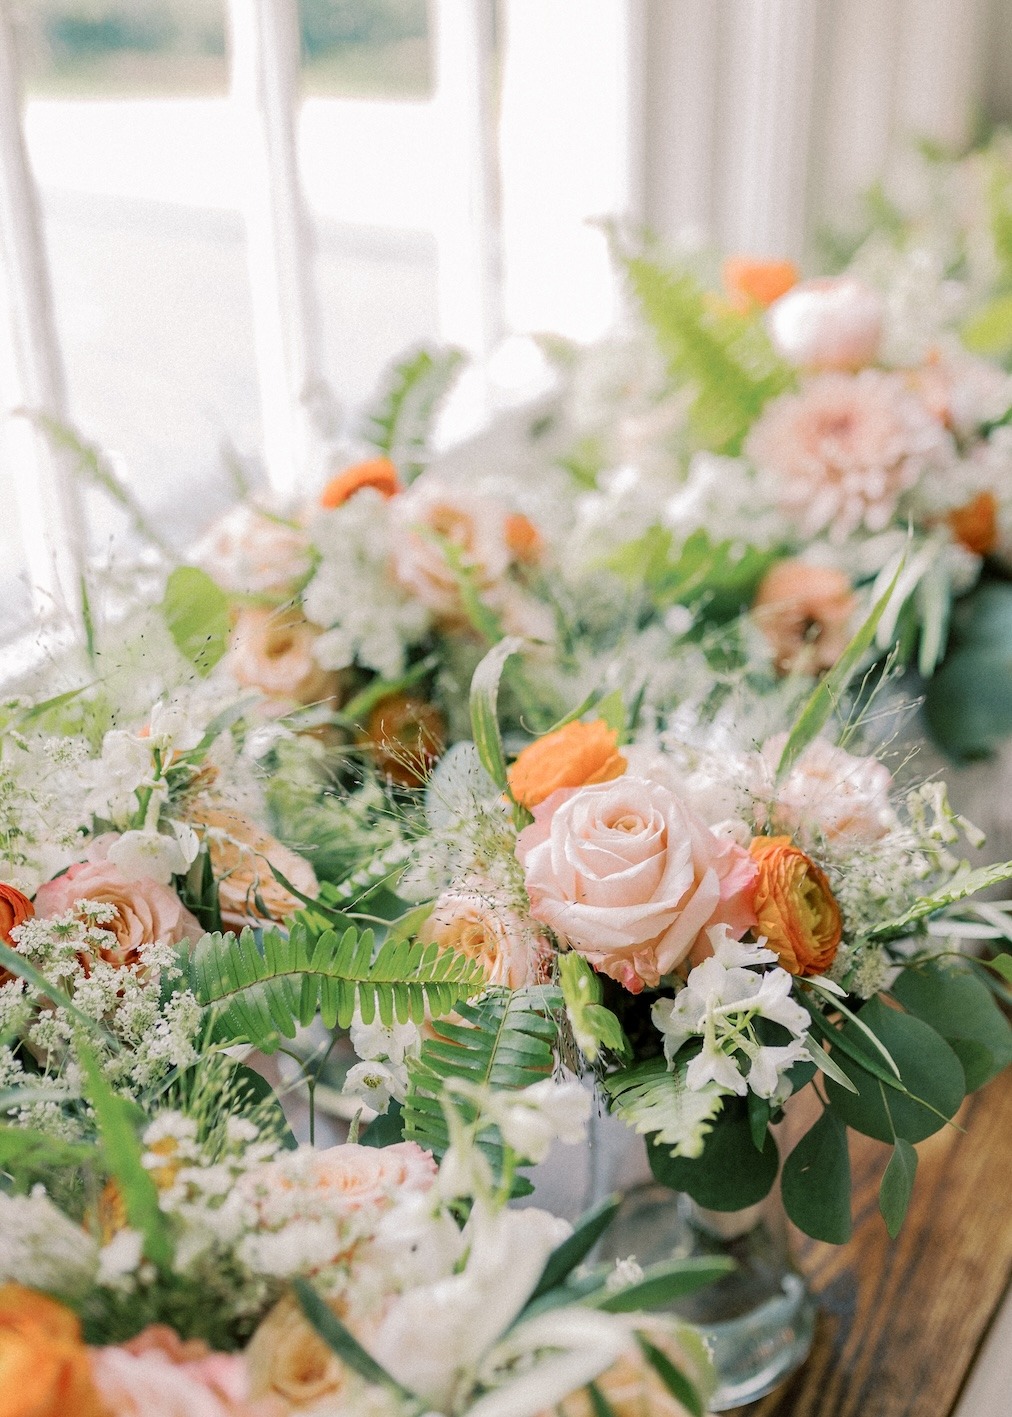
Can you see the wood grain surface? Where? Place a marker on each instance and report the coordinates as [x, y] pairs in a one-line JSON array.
[[902, 1321]]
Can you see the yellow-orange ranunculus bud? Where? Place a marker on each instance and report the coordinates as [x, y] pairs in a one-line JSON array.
[[750, 282], [45, 1370], [975, 523], [797, 911], [379, 473], [574, 756]]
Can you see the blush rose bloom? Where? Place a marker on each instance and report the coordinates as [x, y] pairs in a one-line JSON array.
[[834, 323], [804, 612], [152, 1384], [272, 650], [241, 858], [631, 878], [145, 912], [346, 1178], [250, 552], [511, 953], [432, 512], [830, 794]]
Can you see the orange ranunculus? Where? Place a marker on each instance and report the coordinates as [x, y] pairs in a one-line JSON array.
[[523, 538], [797, 911], [574, 756], [379, 473], [975, 523], [406, 737], [45, 1370], [15, 909], [804, 612], [749, 282]]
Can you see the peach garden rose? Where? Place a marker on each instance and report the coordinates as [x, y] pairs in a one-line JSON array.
[[510, 952], [626, 874]]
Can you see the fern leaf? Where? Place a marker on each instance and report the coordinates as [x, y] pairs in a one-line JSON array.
[[263, 991], [505, 1040], [400, 426], [656, 1102], [725, 356]]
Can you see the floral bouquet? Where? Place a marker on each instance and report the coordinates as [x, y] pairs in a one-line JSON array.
[[710, 923]]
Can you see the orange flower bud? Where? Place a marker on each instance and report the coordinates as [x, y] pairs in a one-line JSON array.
[[574, 756], [406, 736], [797, 911], [975, 524], [375, 472], [749, 282], [523, 538], [45, 1370]]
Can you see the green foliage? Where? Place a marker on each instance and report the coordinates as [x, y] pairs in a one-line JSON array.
[[962, 1010], [655, 1101], [505, 1041], [485, 711], [731, 1173], [28, 1155], [816, 1182], [829, 692], [718, 579], [988, 331], [400, 426], [117, 1121], [930, 1076], [968, 702], [594, 1026], [196, 611], [726, 357], [897, 1186], [577, 1246], [263, 991], [676, 1382], [966, 883]]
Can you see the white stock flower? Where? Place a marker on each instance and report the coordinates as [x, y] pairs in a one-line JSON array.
[[120, 1258], [176, 726], [151, 855], [41, 1248]]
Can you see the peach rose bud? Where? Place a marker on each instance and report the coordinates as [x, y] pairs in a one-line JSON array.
[[805, 613], [576, 755], [378, 473], [749, 282], [796, 909], [827, 324]]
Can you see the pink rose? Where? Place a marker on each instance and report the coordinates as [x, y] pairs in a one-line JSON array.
[[340, 1179], [145, 912], [152, 1384], [827, 324], [272, 650], [631, 878], [249, 551], [511, 952], [431, 515], [830, 794]]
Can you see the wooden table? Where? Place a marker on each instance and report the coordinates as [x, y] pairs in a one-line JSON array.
[[903, 1323]]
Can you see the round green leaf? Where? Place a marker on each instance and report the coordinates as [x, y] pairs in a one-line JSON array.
[[929, 1070], [962, 1009], [816, 1182], [730, 1174]]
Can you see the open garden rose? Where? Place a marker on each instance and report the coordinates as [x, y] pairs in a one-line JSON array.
[[472, 924], [249, 551], [241, 858], [631, 878], [287, 1361], [805, 613], [831, 794], [272, 650], [153, 1384], [834, 323], [144, 911], [45, 1369], [378, 473], [435, 524], [343, 1179], [632, 1387], [573, 756], [796, 908]]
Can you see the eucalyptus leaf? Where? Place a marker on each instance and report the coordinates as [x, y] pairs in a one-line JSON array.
[[730, 1174], [816, 1182], [897, 1186], [962, 1009]]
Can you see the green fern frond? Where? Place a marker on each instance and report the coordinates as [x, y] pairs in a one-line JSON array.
[[400, 426], [505, 1041], [262, 991], [726, 357], [655, 1102]]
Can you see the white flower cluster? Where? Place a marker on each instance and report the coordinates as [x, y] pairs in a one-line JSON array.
[[368, 618], [45, 788]]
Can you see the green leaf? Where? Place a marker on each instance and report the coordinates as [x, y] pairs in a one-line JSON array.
[[594, 1026], [654, 1100], [565, 1257], [829, 692], [988, 331], [1001, 964], [485, 709], [730, 1174], [343, 1342], [897, 1185], [122, 1152], [929, 1070], [679, 1386], [612, 710], [385, 1130], [400, 425], [196, 611], [263, 991], [28, 1155], [965, 883], [816, 1182], [962, 1009], [602, 1407], [661, 1284]]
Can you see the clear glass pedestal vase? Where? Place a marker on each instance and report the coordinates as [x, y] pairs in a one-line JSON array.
[[760, 1318]]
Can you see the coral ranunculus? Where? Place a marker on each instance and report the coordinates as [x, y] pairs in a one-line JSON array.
[[407, 737], [379, 473], [15, 909], [796, 908], [750, 282], [574, 756], [804, 612], [45, 1369]]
